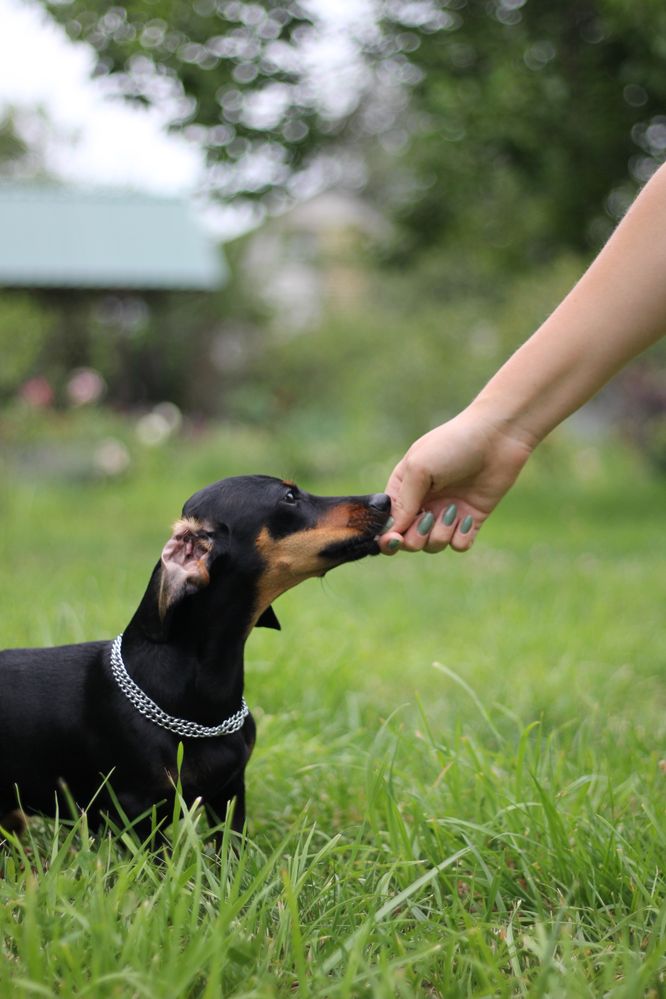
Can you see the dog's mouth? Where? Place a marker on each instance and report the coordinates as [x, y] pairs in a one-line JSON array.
[[358, 545], [350, 549]]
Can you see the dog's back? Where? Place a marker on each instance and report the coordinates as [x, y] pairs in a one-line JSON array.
[[44, 695]]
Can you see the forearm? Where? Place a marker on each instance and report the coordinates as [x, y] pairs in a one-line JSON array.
[[616, 310]]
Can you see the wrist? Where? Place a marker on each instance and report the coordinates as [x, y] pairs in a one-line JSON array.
[[505, 417]]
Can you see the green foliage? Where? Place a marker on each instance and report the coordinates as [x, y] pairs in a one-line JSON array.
[[405, 359], [156, 347], [536, 122], [25, 328], [13, 148], [24, 137], [530, 124], [640, 396], [491, 825], [187, 348]]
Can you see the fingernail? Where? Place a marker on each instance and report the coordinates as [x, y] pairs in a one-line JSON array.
[[425, 523], [450, 514], [467, 524], [388, 525], [393, 544]]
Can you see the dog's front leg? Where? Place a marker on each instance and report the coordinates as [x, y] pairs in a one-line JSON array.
[[217, 807], [147, 821]]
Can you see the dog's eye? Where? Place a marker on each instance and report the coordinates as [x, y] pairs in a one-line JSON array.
[[290, 496]]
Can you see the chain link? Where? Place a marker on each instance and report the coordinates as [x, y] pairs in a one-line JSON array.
[[150, 710]]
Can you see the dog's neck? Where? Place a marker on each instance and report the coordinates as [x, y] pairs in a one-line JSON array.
[[191, 664]]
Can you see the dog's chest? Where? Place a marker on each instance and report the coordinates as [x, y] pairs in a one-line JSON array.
[[205, 769]]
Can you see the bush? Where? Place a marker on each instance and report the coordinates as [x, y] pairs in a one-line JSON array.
[[407, 360], [25, 326]]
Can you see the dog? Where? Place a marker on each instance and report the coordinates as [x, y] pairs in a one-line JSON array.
[[74, 715]]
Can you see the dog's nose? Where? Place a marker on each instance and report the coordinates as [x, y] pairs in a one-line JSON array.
[[381, 502]]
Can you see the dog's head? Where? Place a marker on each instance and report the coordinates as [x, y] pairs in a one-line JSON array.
[[263, 535]]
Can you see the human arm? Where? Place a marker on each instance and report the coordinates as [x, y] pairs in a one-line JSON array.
[[617, 309]]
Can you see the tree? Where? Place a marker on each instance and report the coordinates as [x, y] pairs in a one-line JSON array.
[[232, 75], [529, 124], [13, 148], [535, 123], [20, 156]]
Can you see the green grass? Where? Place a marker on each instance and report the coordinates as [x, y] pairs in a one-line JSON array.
[[457, 787]]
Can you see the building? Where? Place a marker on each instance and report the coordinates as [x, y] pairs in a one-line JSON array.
[[58, 237], [108, 279], [307, 260]]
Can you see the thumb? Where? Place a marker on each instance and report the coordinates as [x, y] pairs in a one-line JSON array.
[[409, 484]]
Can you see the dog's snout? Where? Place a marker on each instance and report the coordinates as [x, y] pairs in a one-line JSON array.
[[380, 502]]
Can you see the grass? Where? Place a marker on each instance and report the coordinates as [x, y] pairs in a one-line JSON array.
[[457, 787]]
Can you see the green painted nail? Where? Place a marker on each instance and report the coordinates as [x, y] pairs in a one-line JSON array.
[[425, 523], [393, 544], [388, 525], [450, 514], [467, 525]]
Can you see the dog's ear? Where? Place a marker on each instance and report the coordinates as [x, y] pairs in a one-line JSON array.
[[185, 563], [184, 569], [268, 620]]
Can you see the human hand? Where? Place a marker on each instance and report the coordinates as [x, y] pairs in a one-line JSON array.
[[449, 481]]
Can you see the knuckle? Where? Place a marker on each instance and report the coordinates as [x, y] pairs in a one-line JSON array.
[[462, 544], [416, 468]]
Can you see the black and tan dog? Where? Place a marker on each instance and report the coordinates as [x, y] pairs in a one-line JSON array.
[[70, 716]]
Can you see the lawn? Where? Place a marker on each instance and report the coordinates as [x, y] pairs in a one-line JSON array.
[[459, 784]]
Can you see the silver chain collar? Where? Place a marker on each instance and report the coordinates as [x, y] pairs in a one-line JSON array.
[[150, 710]]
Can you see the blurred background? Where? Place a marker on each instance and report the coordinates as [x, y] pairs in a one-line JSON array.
[[298, 235]]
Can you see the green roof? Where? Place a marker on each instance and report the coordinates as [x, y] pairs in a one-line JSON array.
[[67, 237]]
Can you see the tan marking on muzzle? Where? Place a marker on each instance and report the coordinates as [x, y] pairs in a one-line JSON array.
[[296, 557]]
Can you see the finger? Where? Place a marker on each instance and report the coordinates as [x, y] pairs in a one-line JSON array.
[[466, 530], [407, 487], [416, 537], [444, 528], [395, 479], [390, 543]]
